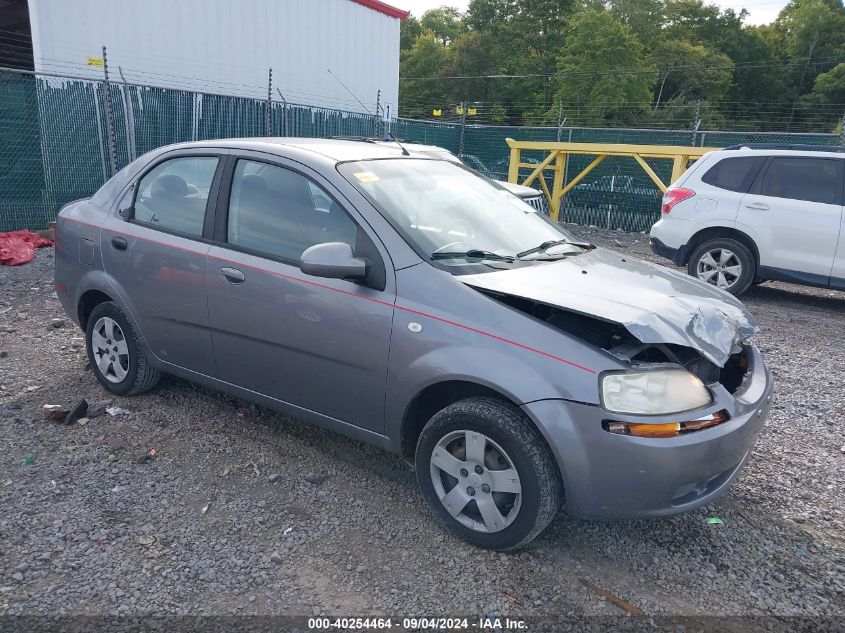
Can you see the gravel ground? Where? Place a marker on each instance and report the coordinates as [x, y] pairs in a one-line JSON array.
[[245, 511]]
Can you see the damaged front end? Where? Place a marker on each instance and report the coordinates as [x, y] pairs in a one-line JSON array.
[[620, 341]]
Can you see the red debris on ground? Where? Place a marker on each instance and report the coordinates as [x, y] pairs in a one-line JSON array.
[[18, 247]]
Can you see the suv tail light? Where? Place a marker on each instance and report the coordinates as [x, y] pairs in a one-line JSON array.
[[674, 196]]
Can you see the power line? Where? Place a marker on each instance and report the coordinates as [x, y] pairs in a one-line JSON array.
[[634, 71]]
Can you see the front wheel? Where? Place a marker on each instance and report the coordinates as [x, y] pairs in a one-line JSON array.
[[724, 263], [487, 474]]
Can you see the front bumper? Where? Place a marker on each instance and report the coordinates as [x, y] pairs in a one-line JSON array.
[[609, 476]]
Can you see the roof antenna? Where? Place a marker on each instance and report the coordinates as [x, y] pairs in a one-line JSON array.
[[393, 138]]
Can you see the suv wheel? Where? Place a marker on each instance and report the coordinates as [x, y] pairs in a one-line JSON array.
[[487, 474], [116, 354], [724, 263]]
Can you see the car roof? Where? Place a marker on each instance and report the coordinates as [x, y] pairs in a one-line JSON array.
[[338, 150], [762, 151]]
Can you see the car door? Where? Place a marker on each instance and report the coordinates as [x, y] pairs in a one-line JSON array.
[[155, 249], [320, 344], [794, 213]]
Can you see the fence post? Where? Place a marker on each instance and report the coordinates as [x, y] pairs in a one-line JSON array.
[[842, 131], [128, 115], [111, 138], [463, 128], [375, 116], [559, 120], [696, 121], [284, 113], [268, 117]]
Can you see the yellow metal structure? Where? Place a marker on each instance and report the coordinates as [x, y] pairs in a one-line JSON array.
[[558, 155]]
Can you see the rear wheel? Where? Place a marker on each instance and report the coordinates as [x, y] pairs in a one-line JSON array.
[[115, 352], [487, 474], [724, 263]]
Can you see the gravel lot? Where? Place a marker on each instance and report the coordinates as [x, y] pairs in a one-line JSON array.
[[245, 511]]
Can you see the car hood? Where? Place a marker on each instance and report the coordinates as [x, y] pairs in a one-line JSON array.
[[655, 304], [519, 190]]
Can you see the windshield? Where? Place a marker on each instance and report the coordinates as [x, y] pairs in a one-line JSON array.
[[444, 209]]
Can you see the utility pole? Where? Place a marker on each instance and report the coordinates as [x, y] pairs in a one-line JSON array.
[[110, 135], [697, 121], [268, 117], [284, 113], [375, 116], [463, 128]]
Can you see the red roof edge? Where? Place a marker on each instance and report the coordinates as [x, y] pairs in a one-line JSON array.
[[383, 7]]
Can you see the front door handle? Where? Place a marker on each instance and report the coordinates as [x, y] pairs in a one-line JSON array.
[[232, 275], [119, 243], [759, 206]]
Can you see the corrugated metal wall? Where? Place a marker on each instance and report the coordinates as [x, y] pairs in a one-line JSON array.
[[226, 46]]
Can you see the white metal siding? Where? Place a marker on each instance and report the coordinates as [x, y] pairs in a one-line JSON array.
[[227, 46]]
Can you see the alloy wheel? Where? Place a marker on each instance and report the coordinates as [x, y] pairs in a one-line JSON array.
[[720, 267], [111, 353], [475, 480]]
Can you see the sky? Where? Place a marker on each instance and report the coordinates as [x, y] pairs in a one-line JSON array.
[[760, 11]]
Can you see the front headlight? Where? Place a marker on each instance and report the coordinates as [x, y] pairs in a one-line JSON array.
[[659, 391]]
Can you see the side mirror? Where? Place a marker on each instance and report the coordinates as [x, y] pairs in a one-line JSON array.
[[334, 260]]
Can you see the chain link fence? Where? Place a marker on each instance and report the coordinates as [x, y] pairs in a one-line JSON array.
[[57, 143], [617, 194]]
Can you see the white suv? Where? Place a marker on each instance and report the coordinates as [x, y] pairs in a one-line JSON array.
[[749, 213]]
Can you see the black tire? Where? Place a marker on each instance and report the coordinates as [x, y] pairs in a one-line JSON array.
[[507, 426], [743, 254], [141, 376]]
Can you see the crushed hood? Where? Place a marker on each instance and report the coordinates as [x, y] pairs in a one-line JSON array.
[[655, 304]]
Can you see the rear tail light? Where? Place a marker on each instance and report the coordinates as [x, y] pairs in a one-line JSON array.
[[674, 196]]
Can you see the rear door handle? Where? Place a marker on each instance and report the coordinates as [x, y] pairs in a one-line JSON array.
[[119, 243], [759, 206], [232, 275]]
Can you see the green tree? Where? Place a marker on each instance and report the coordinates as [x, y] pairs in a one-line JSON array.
[[605, 77], [645, 18], [445, 23], [409, 30], [421, 90], [813, 32], [527, 37], [699, 23], [690, 72], [473, 54], [830, 86], [760, 93]]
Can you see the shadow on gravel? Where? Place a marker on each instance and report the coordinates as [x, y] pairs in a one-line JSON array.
[[791, 297]]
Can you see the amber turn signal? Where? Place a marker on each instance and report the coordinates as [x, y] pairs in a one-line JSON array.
[[667, 429]]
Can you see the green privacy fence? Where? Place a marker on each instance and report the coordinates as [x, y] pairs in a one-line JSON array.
[[57, 143]]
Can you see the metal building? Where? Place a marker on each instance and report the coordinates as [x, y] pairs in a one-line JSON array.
[[227, 46]]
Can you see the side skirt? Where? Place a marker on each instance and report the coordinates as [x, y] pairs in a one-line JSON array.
[[286, 408], [795, 277]]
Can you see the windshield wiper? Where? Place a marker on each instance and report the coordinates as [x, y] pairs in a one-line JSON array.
[[547, 245], [473, 253]]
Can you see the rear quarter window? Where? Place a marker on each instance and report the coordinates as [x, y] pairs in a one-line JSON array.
[[734, 174], [802, 178]]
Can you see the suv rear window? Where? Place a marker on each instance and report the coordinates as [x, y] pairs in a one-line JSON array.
[[810, 179], [734, 174]]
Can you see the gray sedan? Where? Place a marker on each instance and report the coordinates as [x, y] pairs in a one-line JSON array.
[[404, 301]]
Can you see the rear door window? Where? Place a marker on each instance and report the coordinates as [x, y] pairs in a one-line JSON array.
[[798, 178], [174, 194], [734, 174]]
